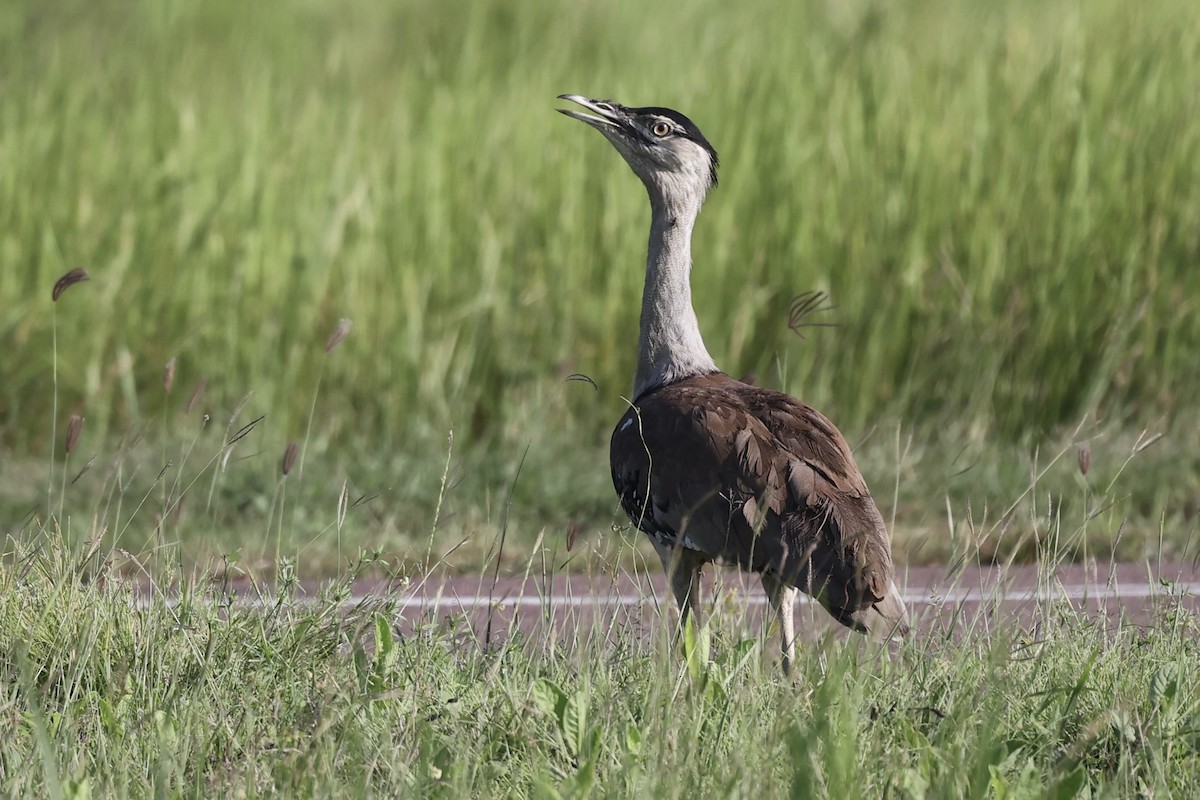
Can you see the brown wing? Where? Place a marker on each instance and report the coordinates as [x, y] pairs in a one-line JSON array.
[[756, 478]]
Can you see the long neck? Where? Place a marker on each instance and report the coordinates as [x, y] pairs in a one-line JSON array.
[[670, 347]]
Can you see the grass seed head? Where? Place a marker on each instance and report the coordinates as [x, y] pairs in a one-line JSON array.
[[340, 332], [289, 458], [175, 515], [169, 376], [196, 394], [74, 429], [82, 472], [1085, 459], [805, 305], [240, 407], [67, 281], [343, 501]]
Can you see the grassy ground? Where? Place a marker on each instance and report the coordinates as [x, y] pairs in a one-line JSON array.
[[101, 696], [455, 507]]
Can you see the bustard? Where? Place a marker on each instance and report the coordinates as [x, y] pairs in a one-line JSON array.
[[715, 470]]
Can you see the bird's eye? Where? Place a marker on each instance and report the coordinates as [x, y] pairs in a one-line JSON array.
[[660, 129]]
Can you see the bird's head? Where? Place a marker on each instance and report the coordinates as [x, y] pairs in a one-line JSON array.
[[662, 147]]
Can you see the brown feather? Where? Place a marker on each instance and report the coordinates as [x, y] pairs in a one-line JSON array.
[[752, 477]]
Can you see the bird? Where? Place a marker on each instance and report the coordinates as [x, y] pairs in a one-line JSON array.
[[715, 470]]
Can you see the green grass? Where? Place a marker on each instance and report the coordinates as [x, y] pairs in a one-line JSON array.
[[101, 695], [180, 491], [1000, 198]]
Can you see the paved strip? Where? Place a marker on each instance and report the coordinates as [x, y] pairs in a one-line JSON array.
[[938, 599], [919, 586], [1062, 593]]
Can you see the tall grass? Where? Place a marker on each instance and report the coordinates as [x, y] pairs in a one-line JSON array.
[[1000, 198]]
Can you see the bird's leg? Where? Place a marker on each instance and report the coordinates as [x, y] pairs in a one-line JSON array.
[[783, 600], [685, 582], [683, 572]]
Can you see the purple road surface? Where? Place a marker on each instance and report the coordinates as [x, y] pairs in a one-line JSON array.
[[969, 600]]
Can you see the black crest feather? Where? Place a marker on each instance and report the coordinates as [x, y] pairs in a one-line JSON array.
[[689, 127]]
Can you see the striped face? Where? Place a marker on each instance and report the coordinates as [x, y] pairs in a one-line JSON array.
[[658, 143]]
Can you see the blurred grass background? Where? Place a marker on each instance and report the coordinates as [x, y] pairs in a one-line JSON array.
[[1003, 200]]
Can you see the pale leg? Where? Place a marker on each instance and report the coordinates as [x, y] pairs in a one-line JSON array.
[[783, 600]]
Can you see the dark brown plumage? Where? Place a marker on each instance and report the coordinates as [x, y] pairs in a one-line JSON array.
[[750, 477]]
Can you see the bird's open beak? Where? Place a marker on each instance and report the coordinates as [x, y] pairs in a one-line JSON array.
[[605, 114]]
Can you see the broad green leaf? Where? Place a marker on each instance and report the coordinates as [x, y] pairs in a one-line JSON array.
[[633, 740], [549, 699], [581, 784], [696, 644], [998, 783], [362, 668], [385, 644], [715, 691], [913, 784], [574, 723], [77, 790], [1164, 685], [108, 718], [544, 790], [1069, 786]]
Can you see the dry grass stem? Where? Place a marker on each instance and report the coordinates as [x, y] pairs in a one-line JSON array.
[[340, 332]]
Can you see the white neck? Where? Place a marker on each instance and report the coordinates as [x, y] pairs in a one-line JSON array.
[[670, 347]]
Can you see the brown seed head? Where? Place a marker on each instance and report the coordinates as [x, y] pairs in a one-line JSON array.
[[196, 393], [67, 281], [74, 429], [340, 332], [1085, 459], [169, 375], [289, 457]]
